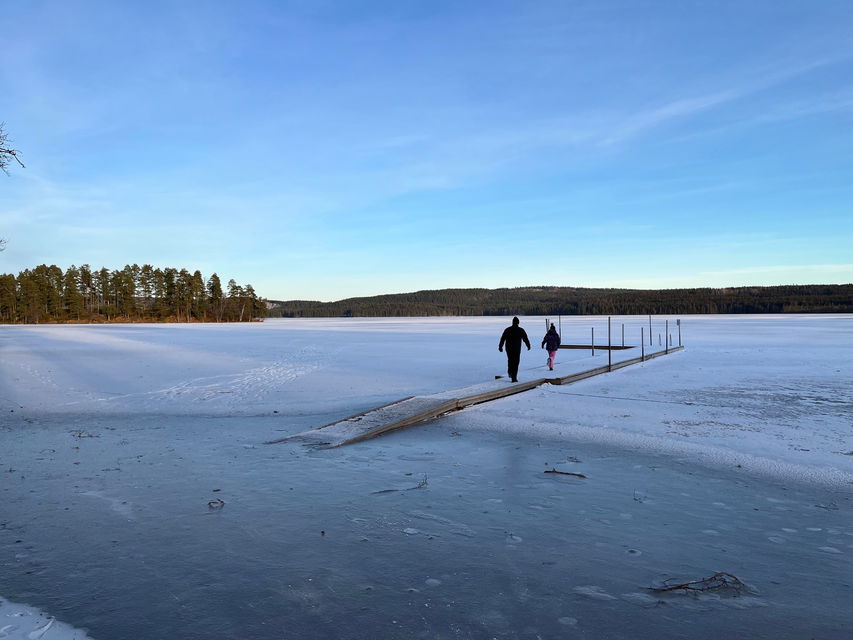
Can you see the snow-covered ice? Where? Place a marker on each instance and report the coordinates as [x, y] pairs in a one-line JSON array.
[[117, 441], [20, 622]]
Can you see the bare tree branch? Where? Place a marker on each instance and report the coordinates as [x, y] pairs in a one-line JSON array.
[[7, 153], [719, 581]]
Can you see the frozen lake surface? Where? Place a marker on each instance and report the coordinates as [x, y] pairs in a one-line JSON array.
[[117, 442]]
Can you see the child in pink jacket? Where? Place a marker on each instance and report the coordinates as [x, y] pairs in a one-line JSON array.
[[551, 342]]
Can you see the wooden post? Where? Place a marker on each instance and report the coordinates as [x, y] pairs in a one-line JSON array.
[[623, 334], [642, 345], [650, 330], [666, 333], [593, 340], [609, 348], [678, 322], [660, 340]]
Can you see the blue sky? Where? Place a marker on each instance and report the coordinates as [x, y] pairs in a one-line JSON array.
[[322, 150]]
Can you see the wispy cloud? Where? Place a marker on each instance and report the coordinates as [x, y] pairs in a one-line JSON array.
[[742, 85], [638, 123], [467, 149]]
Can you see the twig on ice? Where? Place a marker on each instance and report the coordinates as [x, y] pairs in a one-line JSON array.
[[565, 473], [719, 581], [419, 485]]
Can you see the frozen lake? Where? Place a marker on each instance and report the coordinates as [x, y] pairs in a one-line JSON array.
[[734, 455]]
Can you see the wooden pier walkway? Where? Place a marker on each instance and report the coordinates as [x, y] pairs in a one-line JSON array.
[[415, 409]]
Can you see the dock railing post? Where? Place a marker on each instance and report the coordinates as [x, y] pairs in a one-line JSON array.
[[623, 334], [593, 340], [642, 345], [650, 330], [609, 347], [666, 333], [678, 322]]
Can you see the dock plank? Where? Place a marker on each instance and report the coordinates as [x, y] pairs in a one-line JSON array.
[[416, 409]]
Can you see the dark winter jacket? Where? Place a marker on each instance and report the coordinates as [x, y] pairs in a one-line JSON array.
[[551, 341], [512, 337]]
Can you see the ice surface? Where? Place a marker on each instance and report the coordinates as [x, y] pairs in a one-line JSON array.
[[734, 455], [20, 622]]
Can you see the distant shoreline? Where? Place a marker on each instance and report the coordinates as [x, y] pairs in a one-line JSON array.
[[572, 301], [131, 321]]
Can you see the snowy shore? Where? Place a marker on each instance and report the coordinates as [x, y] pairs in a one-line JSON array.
[[734, 455]]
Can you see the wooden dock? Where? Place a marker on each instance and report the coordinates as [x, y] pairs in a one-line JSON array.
[[416, 409], [598, 347]]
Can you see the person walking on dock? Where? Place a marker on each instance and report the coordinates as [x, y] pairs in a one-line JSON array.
[[551, 342], [512, 337]]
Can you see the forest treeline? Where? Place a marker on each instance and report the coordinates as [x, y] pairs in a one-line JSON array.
[[131, 294], [568, 301]]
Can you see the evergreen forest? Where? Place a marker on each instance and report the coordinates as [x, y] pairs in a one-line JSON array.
[[552, 301], [132, 294]]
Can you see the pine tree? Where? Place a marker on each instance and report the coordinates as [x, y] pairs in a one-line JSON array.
[[146, 287], [8, 302], [236, 304], [104, 290], [199, 296], [124, 289], [72, 299], [257, 306], [183, 295], [215, 298], [170, 278], [160, 308], [28, 303], [87, 289]]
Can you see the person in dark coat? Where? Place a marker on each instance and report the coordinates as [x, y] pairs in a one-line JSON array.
[[551, 342], [512, 337]]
